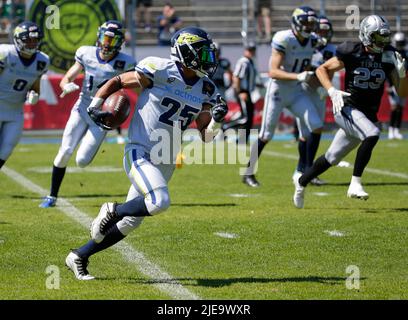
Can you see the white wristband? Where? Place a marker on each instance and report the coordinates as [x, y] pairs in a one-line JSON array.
[[96, 103]]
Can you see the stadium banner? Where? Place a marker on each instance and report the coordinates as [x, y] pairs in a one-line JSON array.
[[52, 112], [69, 24]]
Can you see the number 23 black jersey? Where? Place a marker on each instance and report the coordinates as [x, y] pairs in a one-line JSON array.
[[365, 76]]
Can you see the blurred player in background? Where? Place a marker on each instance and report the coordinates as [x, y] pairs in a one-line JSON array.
[[21, 68], [368, 63], [292, 51], [100, 63], [317, 94], [175, 92], [397, 103]]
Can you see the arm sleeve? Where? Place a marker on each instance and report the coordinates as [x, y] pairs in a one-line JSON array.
[[149, 68], [79, 54], [280, 42]]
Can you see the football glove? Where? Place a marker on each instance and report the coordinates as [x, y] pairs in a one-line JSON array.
[[32, 97], [304, 76], [96, 114], [220, 109], [68, 88], [399, 63], [336, 97]]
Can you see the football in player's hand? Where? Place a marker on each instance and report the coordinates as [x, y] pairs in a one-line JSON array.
[[118, 106]]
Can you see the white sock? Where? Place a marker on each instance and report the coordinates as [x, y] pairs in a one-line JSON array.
[[355, 180]]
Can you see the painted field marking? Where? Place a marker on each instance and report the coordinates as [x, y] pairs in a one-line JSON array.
[[226, 235], [166, 283], [77, 169], [371, 170], [321, 194], [334, 233]]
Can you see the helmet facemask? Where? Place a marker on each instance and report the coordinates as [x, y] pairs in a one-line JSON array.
[[27, 42], [304, 22], [199, 56], [110, 39], [379, 40]]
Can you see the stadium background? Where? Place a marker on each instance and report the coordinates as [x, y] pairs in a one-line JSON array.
[[229, 22]]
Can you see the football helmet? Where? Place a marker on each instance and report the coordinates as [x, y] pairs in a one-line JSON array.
[[27, 38], [110, 37], [375, 33], [304, 21], [324, 31], [398, 41], [194, 48]]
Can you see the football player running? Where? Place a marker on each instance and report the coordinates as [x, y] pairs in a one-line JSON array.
[[367, 63], [292, 52], [100, 63], [397, 103], [21, 66], [323, 52], [174, 92]]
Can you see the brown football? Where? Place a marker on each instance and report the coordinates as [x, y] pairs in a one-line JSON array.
[[118, 105]]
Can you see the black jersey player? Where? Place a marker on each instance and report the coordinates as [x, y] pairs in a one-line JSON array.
[[367, 64]]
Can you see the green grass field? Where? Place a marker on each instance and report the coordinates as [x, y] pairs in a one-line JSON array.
[[279, 252]]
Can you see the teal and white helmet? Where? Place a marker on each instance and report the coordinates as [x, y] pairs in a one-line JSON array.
[[375, 33]]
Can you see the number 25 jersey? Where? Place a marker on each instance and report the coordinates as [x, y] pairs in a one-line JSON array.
[[170, 102]]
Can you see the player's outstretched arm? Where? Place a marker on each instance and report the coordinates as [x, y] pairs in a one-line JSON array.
[[66, 84], [325, 73]]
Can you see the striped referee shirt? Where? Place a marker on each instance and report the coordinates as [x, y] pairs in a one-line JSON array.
[[246, 71]]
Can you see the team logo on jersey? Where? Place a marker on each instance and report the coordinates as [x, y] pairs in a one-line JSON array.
[[79, 22], [119, 65], [208, 88], [41, 65]]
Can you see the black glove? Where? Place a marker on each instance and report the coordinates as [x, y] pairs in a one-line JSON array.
[[220, 109], [98, 116]]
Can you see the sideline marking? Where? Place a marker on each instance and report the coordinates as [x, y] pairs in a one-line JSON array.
[[334, 233], [168, 285]]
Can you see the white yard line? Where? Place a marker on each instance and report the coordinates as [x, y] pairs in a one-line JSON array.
[[376, 171], [226, 235], [334, 233], [165, 282]]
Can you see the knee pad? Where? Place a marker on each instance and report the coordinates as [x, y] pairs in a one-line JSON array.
[[62, 158], [157, 201], [82, 161], [128, 224]]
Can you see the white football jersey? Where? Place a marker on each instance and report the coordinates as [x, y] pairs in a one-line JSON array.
[[169, 103], [297, 57], [97, 71], [17, 77]]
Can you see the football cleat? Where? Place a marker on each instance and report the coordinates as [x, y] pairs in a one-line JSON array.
[[397, 134], [356, 191], [48, 202], [299, 195], [318, 182], [106, 219], [391, 133], [78, 266], [296, 175], [251, 181]]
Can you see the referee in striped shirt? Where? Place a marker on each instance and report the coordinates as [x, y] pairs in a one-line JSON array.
[[244, 81]]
